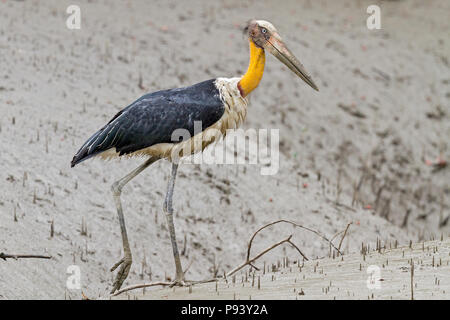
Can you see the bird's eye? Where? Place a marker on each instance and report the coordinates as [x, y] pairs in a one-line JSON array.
[[264, 30]]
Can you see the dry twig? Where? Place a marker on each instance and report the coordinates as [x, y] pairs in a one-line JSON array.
[[249, 261], [345, 233], [5, 256], [154, 284]]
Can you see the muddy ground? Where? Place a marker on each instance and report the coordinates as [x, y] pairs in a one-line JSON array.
[[401, 273], [361, 150]]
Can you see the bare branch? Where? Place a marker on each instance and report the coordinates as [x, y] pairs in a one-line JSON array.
[[142, 285], [249, 261], [253, 266], [292, 223], [412, 279], [154, 284], [5, 256], [299, 251]]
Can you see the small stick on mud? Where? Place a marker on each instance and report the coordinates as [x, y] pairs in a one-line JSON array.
[[334, 237], [154, 284], [5, 256], [412, 279], [143, 285], [289, 222], [140, 83], [405, 219]]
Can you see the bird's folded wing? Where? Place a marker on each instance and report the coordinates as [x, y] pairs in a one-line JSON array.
[[153, 118]]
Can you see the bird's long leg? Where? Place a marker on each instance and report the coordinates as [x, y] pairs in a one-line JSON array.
[[168, 210], [125, 262]]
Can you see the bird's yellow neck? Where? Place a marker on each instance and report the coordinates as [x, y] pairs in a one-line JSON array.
[[255, 70]]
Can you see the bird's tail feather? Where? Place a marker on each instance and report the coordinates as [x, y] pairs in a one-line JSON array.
[[91, 147]]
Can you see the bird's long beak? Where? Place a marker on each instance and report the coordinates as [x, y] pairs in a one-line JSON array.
[[277, 47]]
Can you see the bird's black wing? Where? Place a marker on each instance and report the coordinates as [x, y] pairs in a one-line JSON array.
[[153, 118]]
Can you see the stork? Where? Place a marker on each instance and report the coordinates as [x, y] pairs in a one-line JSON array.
[[145, 127]]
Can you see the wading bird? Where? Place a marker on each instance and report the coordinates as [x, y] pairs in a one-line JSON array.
[[146, 127]]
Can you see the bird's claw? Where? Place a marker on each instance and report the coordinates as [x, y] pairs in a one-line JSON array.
[[122, 274]]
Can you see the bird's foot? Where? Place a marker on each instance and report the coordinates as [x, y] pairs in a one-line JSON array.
[[122, 274]]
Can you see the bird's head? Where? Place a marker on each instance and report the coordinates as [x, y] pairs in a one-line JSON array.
[[264, 35]]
